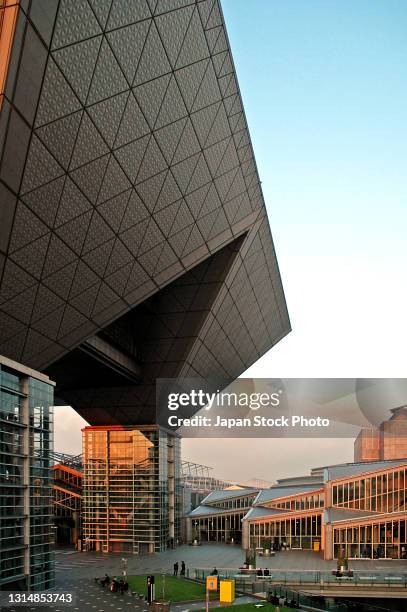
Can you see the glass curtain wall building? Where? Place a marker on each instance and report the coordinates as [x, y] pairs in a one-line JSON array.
[[67, 492], [377, 492], [371, 538], [219, 516], [362, 513], [132, 489], [357, 510], [302, 532], [26, 512], [220, 527], [197, 482]]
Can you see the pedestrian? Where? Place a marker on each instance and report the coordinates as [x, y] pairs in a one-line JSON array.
[[105, 581], [176, 568], [182, 573]]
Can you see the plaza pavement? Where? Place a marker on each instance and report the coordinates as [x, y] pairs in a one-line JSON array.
[[75, 572], [72, 565]]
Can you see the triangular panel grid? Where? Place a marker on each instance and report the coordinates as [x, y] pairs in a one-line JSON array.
[[138, 167]]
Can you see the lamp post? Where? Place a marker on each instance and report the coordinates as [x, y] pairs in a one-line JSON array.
[[124, 568], [163, 586]]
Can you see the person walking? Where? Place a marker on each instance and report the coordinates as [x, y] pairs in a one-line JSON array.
[[105, 581], [176, 568], [182, 572]]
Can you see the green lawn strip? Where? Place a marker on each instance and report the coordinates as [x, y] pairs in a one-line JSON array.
[[176, 589]]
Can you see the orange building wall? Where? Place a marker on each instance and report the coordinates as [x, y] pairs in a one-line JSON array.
[[394, 439], [367, 445], [389, 441]]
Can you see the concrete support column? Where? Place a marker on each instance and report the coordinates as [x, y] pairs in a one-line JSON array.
[[75, 530], [328, 541], [171, 489], [328, 495], [245, 535], [188, 530], [25, 413]]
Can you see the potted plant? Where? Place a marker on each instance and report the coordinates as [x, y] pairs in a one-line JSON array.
[[266, 548], [340, 563], [251, 558], [232, 537], [346, 566]]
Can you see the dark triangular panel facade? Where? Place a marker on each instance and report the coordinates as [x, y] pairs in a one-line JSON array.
[[132, 192]]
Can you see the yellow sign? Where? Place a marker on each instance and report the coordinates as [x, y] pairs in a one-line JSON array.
[[227, 591], [211, 583], [317, 546]]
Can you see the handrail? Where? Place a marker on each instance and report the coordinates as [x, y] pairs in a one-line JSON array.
[[248, 579], [302, 571]]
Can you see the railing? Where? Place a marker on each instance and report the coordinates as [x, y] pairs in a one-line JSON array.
[[308, 600], [249, 580]]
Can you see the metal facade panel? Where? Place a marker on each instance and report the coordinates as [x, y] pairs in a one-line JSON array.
[[136, 167]]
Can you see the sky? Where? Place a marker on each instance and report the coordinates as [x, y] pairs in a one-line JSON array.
[[325, 93]]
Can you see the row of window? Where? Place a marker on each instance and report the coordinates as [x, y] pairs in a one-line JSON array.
[[390, 489], [386, 540], [218, 528], [237, 502], [307, 502], [306, 525], [388, 532], [295, 533]]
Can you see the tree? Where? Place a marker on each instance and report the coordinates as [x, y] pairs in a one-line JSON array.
[[251, 557], [340, 561]]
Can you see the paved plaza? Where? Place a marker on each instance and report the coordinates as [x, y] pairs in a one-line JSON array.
[[72, 565], [75, 572]]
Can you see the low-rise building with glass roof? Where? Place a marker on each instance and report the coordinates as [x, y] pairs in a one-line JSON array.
[[352, 510]]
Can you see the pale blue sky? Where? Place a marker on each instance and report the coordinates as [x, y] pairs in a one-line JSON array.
[[324, 86], [325, 89]]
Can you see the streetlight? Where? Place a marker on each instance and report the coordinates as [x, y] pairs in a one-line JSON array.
[[163, 586], [124, 568], [195, 524]]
